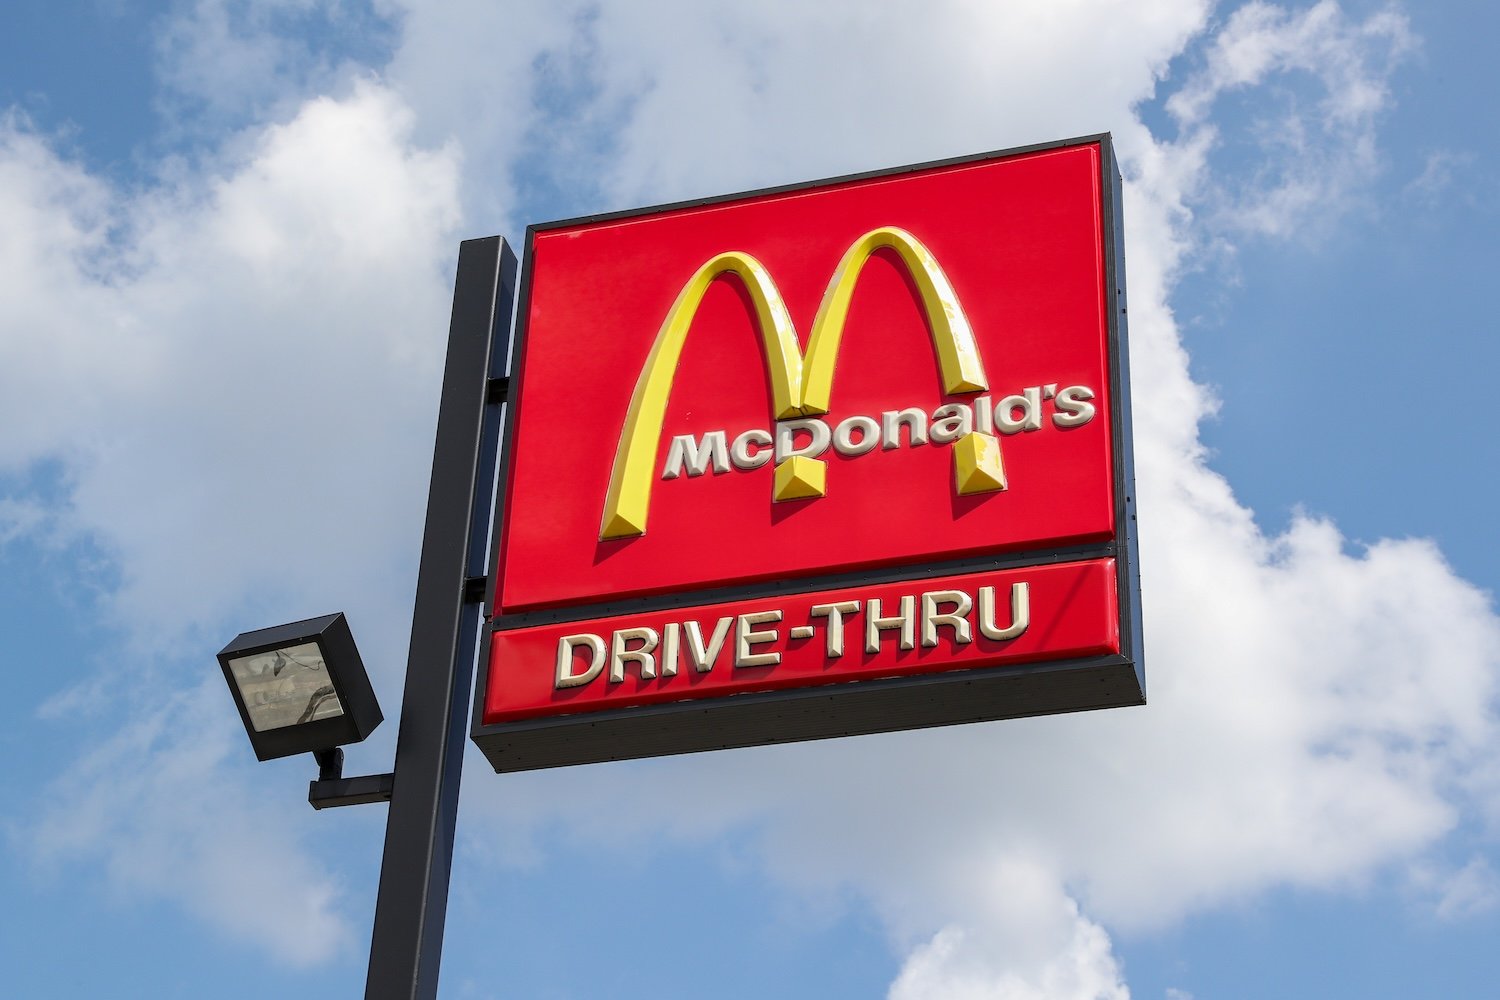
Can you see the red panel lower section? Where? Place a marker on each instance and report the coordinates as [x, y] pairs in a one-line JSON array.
[[1071, 611]]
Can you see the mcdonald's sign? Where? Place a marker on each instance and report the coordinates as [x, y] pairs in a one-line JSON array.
[[841, 457]]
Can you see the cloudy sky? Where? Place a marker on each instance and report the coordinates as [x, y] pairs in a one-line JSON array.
[[227, 236]]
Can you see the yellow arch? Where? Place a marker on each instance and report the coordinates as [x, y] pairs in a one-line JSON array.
[[629, 497], [952, 337], [800, 386]]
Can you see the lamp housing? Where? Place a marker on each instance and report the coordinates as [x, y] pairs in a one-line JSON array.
[[300, 687]]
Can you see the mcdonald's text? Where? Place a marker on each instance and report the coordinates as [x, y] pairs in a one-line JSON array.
[[714, 451]]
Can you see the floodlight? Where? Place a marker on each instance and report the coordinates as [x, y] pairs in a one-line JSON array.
[[300, 687]]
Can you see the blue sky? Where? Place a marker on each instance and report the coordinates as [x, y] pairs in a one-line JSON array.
[[227, 240]]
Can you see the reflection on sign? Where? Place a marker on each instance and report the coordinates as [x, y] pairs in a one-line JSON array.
[[286, 687]]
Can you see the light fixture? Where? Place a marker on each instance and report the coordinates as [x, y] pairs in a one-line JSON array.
[[300, 687]]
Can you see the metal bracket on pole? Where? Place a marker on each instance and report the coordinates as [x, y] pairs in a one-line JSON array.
[[407, 941], [333, 789], [358, 791]]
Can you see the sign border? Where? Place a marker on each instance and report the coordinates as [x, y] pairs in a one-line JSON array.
[[822, 711]]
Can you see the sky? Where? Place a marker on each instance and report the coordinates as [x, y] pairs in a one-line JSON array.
[[227, 238]]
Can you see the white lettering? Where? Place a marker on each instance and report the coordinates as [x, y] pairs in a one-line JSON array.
[[835, 613], [891, 422], [950, 422], [744, 638], [843, 436], [1030, 405], [701, 655], [741, 455], [1072, 410], [697, 456], [786, 439], [905, 620], [857, 435], [565, 678], [659, 650], [1020, 612], [956, 619], [619, 655], [984, 416], [671, 649]]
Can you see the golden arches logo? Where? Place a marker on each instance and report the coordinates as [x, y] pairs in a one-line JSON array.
[[801, 384]]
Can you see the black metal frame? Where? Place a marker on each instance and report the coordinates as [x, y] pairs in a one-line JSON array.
[[333, 789], [849, 708], [346, 672], [411, 907]]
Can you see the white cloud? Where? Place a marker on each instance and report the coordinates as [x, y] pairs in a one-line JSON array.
[[225, 63], [159, 808], [19, 517], [623, 104], [1032, 945], [237, 370], [1315, 150], [479, 73], [737, 96], [1459, 894], [1443, 171], [233, 365]]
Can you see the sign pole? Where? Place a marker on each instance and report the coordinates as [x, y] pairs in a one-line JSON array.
[[406, 945]]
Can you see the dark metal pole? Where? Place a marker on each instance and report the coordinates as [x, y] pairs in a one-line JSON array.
[[406, 945]]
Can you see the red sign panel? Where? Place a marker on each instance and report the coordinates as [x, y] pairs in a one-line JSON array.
[[771, 643], [770, 404]]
